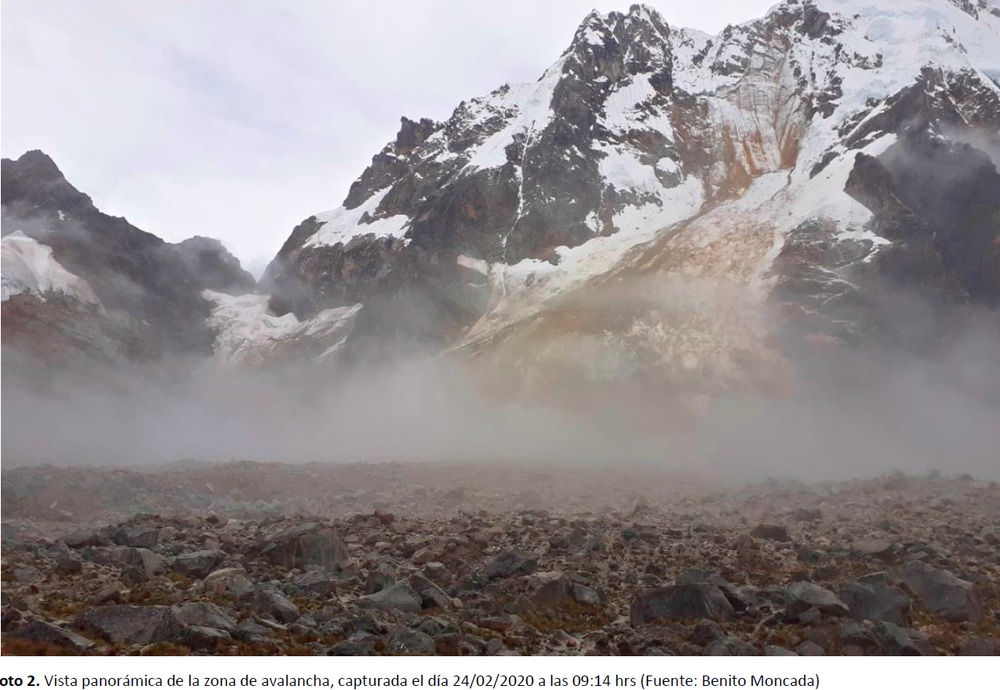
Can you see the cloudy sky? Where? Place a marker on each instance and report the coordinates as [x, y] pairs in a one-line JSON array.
[[237, 120]]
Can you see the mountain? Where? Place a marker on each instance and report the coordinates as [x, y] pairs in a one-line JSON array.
[[79, 284], [661, 205], [665, 201]]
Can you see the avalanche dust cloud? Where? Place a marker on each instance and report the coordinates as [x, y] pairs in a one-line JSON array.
[[835, 416]]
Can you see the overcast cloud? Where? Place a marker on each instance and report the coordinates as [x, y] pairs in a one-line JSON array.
[[237, 120]]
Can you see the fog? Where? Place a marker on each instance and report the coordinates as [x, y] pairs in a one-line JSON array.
[[844, 414]]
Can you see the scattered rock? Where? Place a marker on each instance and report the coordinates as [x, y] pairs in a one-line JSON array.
[[410, 642]]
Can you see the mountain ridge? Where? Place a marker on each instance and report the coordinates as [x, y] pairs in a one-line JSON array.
[[661, 202]]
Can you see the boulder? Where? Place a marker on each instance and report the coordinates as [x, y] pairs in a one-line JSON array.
[[808, 514], [810, 648], [681, 602], [380, 577], [897, 641], [205, 615], [38, 630], [410, 642], [693, 576], [229, 581], [874, 599], [310, 544], [946, 595], [431, 596], [730, 646], [584, 594], [398, 597], [980, 646], [878, 548], [68, 565], [85, 537], [551, 588], [149, 562], [272, 604], [197, 564], [803, 596], [769, 532], [359, 644], [316, 582], [133, 625], [508, 564]]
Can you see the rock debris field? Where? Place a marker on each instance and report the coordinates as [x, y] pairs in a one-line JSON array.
[[493, 559]]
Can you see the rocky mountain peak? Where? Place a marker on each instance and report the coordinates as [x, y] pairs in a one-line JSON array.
[[34, 181]]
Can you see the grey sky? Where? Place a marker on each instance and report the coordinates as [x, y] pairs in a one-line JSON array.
[[237, 120]]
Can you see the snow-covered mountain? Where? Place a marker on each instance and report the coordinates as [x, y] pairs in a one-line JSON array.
[[658, 190], [661, 204]]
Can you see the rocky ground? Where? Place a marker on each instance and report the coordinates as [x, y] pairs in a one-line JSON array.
[[250, 558]]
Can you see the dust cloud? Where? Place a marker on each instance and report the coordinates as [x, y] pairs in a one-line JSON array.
[[843, 415]]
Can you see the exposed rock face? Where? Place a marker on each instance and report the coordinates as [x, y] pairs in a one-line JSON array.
[[935, 223], [147, 292]]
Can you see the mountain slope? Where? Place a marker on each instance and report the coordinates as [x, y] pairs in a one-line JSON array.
[[659, 192], [78, 282]]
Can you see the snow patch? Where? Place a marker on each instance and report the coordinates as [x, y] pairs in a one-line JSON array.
[[622, 111], [528, 284], [341, 225], [248, 332], [477, 265], [623, 171], [532, 103], [29, 267]]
